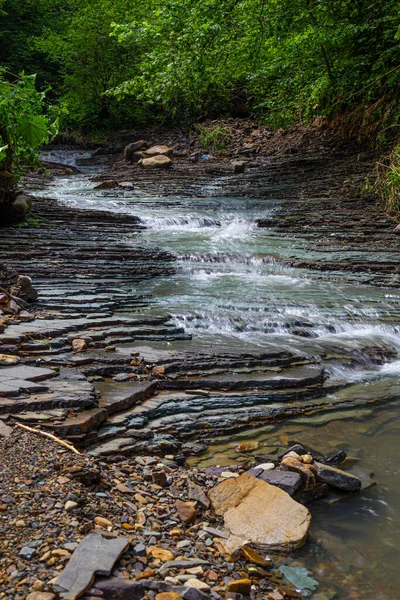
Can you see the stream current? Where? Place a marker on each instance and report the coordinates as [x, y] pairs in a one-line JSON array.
[[232, 292]]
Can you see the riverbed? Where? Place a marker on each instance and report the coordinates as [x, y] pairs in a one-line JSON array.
[[233, 290]]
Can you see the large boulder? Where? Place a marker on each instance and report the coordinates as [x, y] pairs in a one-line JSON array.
[[159, 151], [261, 513], [130, 149], [156, 162], [21, 206]]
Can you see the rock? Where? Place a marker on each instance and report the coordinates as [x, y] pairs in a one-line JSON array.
[[197, 585], [253, 557], [168, 596], [156, 162], [159, 478], [6, 359], [130, 149], [292, 464], [261, 513], [38, 585], [161, 553], [159, 151], [20, 524], [27, 552], [158, 371], [195, 492], [240, 586], [5, 430], [94, 555], [288, 481], [70, 505], [337, 478], [26, 290], [79, 345], [334, 458], [195, 156], [266, 466], [40, 596], [298, 577], [248, 446], [186, 511], [101, 522], [238, 166], [108, 184], [230, 548], [21, 206]]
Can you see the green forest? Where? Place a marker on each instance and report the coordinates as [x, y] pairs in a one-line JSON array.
[[96, 65]]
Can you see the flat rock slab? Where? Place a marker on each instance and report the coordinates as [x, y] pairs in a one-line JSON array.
[[5, 430], [26, 373], [95, 555], [261, 513], [287, 481], [338, 478]]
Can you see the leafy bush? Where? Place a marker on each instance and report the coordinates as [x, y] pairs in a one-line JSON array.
[[388, 183], [214, 139]]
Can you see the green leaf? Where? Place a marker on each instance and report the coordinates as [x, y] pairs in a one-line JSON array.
[[33, 130]]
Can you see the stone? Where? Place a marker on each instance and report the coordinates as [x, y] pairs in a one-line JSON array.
[[7, 359], [155, 162], [288, 481], [238, 166], [261, 513], [240, 586], [337, 478], [161, 553], [40, 596], [186, 511], [94, 555], [108, 184], [27, 552], [130, 149], [195, 492], [38, 585], [306, 471], [168, 596], [79, 345], [230, 548], [269, 466], [101, 522], [5, 430], [70, 505], [20, 524], [197, 585], [160, 478], [251, 556], [159, 151]]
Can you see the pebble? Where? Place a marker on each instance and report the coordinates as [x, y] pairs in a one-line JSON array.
[[202, 586], [70, 505]]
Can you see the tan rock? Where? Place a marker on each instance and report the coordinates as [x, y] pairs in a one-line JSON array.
[[38, 585], [159, 151], [197, 585], [186, 511], [306, 471], [102, 523], [79, 345], [261, 513], [230, 547], [8, 359], [251, 556], [40, 596], [156, 162], [168, 596], [160, 553], [145, 574]]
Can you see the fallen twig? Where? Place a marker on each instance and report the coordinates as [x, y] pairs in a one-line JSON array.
[[51, 437]]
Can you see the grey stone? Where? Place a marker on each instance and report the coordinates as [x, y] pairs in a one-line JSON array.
[[196, 493], [337, 478], [27, 552], [95, 555], [287, 481], [5, 430]]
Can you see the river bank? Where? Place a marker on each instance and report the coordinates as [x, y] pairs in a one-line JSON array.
[[168, 321]]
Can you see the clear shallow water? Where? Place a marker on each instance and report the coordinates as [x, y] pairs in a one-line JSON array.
[[232, 290]]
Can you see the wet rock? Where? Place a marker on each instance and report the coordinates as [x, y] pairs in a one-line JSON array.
[[334, 458], [238, 166], [240, 586], [6, 359], [337, 478], [108, 184], [156, 162], [130, 149], [292, 464], [254, 557], [261, 513], [94, 555]]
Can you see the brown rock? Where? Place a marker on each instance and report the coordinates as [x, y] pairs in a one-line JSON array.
[[168, 596], [101, 522], [109, 184], [261, 513], [305, 470], [186, 511], [241, 586], [130, 149], [253, 557], [145, 574], [156, 162], [159, 151]]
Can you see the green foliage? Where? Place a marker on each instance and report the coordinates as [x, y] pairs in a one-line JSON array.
[[117, 62], [23, 126], [388, 183], [215, 139]]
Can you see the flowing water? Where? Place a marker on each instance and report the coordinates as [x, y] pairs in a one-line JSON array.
[[232, 291]]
